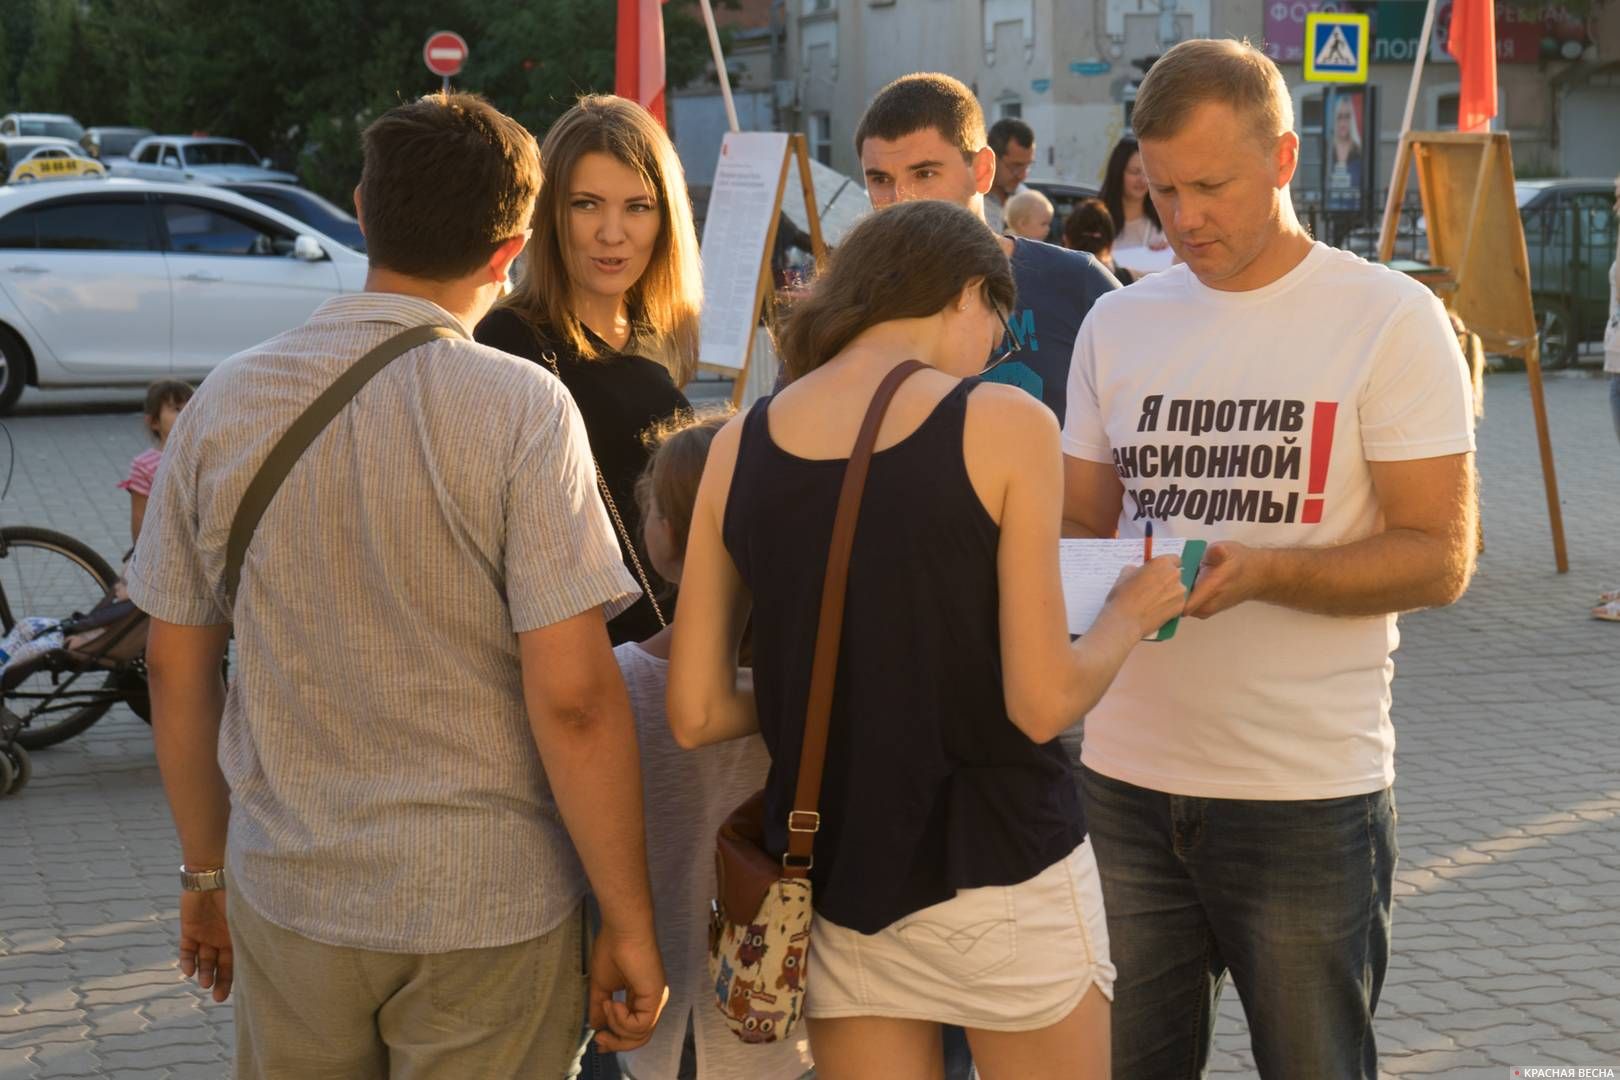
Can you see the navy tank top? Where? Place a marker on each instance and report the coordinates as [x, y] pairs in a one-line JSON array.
[[929, 787]]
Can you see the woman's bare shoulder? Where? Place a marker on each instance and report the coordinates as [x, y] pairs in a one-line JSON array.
[[1010, 417]]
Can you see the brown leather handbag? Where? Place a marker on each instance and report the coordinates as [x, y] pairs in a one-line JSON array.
[[759, 931]]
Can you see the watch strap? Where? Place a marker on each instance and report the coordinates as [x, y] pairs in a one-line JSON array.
[[202, 880]]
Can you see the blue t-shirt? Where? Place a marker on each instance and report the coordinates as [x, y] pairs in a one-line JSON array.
[[1056, 288]]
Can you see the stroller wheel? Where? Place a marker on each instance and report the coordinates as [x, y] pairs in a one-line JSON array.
[[15, 769], [16, 757]]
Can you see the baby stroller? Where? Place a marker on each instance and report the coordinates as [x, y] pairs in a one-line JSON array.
[[62, 670]]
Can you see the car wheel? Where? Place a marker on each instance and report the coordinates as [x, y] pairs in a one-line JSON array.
[[1555, 330], [13, 369]]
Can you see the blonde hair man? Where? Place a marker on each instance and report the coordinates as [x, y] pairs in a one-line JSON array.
[[1307, 414]]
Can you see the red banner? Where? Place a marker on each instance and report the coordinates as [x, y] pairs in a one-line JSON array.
[[1472, 41], [639, 62]]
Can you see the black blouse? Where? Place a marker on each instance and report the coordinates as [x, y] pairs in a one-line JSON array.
[[620, 397]]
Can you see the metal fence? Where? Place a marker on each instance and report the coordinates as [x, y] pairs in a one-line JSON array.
[[1357, 231]]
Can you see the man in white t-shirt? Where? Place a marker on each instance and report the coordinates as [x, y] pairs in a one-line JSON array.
[[1306, 413]]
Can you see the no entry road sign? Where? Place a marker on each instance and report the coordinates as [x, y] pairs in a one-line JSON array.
[[444, 53]]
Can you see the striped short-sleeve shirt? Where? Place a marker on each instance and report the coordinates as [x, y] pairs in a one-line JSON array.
[[142, 473], [386, 792]]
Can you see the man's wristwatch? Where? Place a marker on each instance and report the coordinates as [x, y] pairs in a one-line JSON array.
[[202, 880]]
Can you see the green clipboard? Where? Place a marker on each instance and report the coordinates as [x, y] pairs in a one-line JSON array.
[[1192, 556]]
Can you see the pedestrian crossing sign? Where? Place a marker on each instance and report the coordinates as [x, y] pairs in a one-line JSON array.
[[1337, 46]]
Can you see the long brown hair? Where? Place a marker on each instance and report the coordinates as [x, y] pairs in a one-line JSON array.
[[906, 262], [666, 301]]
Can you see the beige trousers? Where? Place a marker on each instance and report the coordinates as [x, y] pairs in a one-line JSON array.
[[308, 1011]]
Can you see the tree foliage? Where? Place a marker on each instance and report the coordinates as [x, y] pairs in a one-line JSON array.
[[299, 79]]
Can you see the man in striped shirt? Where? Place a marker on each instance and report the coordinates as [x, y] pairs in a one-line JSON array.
[[425, 721]]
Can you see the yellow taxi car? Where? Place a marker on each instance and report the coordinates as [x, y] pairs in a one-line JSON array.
[[24, 160]]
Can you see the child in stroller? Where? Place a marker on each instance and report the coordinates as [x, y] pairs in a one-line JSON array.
[[59, 676], [109, 637]]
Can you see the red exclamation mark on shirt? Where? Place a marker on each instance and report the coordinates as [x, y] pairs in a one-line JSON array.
[[1321, 456]]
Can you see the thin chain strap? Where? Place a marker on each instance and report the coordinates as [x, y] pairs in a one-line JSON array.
[[613, 511]]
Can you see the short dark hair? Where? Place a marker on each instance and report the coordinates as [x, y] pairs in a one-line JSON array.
[[926, 99], [1010, 129], [447, 179], [163, 392]]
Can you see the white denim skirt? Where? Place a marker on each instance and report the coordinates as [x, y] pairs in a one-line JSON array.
[[1002, 958]]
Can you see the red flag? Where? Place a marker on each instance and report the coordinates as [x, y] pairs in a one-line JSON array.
[[1473, 42], [639, 68]]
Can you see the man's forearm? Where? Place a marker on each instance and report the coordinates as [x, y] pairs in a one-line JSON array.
[[595, 771], [1397, 570], [186, 709]]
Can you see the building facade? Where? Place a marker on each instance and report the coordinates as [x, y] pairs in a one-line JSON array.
[[754, 56], [1062, 66], [1069, 69]]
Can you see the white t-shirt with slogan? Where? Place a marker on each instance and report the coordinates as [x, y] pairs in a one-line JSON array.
[[1252, 416]]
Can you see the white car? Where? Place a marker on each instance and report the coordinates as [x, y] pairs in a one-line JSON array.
[[53, 125], [207, 160], [118, 282]]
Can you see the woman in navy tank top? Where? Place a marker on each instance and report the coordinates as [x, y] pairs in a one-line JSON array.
[[953, 882]]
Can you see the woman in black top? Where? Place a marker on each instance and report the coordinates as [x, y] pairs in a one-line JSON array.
[[610, 297], [952, 881]]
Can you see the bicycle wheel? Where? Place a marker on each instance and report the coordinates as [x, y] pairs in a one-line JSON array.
[[43, 572]]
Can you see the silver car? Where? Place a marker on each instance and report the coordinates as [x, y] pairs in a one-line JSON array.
[[178, 158]]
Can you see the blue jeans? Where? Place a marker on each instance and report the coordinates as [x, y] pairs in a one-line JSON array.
[[1614, 402], [1291, 898]]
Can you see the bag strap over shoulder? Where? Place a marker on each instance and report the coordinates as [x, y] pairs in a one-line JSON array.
[[304, 430], [805, 821]]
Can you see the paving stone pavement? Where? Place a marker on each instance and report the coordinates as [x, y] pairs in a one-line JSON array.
[[1507, 708]]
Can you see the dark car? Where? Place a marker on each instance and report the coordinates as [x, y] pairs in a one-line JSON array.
[[107, 144], [1569, 235], [1063, 197], [307, 207]]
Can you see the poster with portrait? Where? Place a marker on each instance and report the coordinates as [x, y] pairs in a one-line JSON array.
[[1350, 140]]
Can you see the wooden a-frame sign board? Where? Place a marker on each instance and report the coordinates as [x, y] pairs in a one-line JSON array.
[[1472, 216], [739, 234]]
